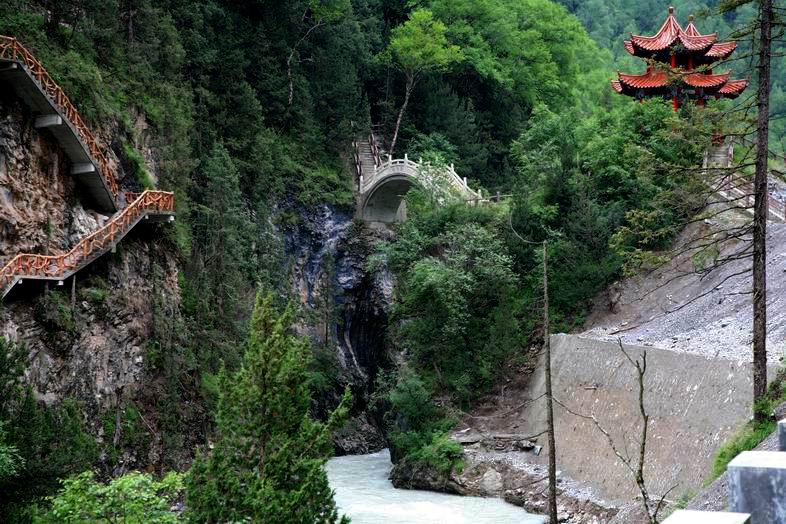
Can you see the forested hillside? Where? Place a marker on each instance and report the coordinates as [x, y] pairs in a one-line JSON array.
[[247, 111]]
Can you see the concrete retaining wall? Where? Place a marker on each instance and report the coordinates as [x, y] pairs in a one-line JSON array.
[[694, 404]]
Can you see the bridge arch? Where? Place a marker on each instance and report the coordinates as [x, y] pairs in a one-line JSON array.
[[384, 201], [382, 189]]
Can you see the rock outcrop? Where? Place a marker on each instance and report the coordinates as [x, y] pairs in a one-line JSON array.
[[509, 475], [90, 344], [40, 211], [344, 309]]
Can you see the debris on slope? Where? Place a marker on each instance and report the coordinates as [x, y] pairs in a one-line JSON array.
[[681, 307]]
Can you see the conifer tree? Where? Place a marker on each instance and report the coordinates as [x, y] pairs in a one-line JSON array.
[[267, 464]]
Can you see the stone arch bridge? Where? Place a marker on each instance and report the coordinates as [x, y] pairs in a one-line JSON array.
[[382, 185]]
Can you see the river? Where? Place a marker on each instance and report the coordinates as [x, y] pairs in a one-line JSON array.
[[364, 493]]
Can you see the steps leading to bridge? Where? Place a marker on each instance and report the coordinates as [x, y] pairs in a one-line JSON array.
[[736, 189], [150, 206], [55, 112]]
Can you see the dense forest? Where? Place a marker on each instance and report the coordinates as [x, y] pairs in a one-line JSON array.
[[252, 107]]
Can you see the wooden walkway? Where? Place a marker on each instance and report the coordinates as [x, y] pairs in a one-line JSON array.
[[55, 111], [150, 206]]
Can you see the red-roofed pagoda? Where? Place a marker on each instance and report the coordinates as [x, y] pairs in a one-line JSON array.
[[679, 65]]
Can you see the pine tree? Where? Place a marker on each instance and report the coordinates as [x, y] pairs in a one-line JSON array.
[[267, 464]]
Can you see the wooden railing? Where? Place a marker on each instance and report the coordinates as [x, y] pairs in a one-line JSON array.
[[55, 267], [372, 140], [11, 49]]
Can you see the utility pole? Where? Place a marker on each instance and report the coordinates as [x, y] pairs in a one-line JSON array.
[[760, 210], [552, 503], [549, 399]]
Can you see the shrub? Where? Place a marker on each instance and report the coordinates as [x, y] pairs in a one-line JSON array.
[[133, 498], [54, 312]]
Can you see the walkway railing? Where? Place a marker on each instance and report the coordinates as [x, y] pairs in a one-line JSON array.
[[11, 49], [421, 170], [58, 267]]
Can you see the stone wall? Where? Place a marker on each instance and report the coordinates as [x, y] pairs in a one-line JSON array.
[[694, 403]]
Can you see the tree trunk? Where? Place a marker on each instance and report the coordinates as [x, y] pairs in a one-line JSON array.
[[549, 398], [760, 208], [410, 86]]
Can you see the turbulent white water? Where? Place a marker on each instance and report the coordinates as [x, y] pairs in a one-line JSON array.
[[364, 493]]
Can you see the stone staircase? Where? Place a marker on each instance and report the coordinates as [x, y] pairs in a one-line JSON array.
[[734, 187], [366, 158]]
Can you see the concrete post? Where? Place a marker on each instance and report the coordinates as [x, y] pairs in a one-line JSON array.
[[73, 293], [47, 121], [782, 435], [757, 485], [706, 517]]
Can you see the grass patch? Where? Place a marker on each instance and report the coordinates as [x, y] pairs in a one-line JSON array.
[[138, 168], [748, 438], [754, 432]]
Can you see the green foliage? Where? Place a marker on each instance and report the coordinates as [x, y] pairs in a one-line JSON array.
[[325, 185], [420, 45], [455, 279], [38, 444], [442, 454], [755, 431], [132, 498], [10, 460], [138, 168], [95, 291], [126, 430], [54, 311], [267, 464], [748, 438], [417, 426]]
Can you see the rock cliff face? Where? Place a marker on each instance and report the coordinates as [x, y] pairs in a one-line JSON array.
[[97, 351], [344, 309], [40, 211], [90, 344]]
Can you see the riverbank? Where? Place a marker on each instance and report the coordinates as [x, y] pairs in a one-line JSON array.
[[513, 477], [364, 492]]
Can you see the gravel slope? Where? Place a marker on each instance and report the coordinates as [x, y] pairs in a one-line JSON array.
[[677, 308]]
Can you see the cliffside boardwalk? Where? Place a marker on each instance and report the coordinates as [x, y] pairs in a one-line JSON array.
[[54, 111], [382, 184], [150, 205]]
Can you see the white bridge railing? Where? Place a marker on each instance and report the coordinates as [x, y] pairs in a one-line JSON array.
[[433, 177]]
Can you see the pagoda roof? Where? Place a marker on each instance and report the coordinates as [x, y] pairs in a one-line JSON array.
[[689, 57], [721, 50], [733, 88], [657, 80], [670, 33]]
